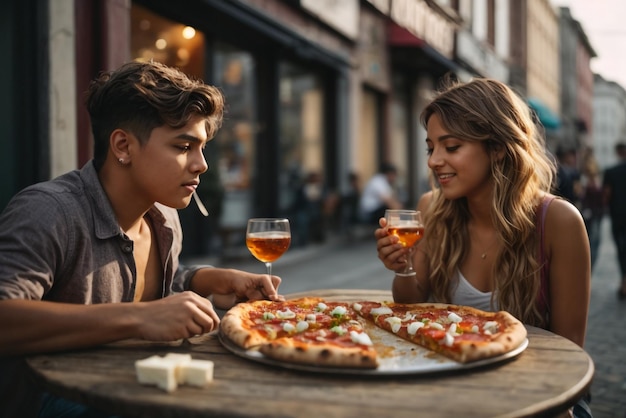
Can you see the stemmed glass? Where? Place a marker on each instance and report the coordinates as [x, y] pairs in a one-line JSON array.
[[407, 225], [268, 239]]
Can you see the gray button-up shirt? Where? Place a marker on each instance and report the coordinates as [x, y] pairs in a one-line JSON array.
[[60, 241]]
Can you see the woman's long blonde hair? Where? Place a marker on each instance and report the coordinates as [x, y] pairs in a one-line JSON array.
[[489, 111]]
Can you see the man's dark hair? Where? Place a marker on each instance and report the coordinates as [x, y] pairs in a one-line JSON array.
[[142, 96]]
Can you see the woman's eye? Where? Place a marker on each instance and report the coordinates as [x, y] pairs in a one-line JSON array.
[[184, 147], [429, 151], [453, 148]]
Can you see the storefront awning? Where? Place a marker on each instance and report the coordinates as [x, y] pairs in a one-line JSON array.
[[547, 117], [416, 50]]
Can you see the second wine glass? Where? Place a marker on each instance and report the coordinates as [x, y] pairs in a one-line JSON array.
[[268, 239], [407, 225]]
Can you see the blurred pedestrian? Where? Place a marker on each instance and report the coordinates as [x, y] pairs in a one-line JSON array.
[[592, 202], [379, 194], [567, 176], [614, 187], [349, 203], [313, 208]]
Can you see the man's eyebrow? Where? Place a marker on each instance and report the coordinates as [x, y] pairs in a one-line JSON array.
[[190, 138]]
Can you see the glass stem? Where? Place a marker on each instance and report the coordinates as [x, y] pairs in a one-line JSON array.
[[409, 261], [269, 269]]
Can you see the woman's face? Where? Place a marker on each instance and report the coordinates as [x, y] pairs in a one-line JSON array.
[[461, 167]]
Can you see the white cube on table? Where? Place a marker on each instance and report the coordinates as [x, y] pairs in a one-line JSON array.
[[155, 371], [197, 372]]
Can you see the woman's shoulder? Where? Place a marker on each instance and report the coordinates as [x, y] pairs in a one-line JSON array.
[[561, 214]]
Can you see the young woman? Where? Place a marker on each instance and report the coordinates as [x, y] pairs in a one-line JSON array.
[[495, 239], [495, 236]]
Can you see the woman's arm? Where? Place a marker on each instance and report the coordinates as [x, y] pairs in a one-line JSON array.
[[570, 270]]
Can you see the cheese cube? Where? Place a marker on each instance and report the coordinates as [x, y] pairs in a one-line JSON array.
[[154, 371], [197, 372], [178, 360]]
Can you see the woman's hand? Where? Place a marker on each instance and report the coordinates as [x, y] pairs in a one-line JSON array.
[[390, 251]]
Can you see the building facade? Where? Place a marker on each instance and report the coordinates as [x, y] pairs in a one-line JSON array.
[[609, 119], [313, 87]]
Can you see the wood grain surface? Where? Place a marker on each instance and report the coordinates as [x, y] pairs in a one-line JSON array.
[[545, 380]]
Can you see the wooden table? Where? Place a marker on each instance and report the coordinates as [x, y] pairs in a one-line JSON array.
[[545, 379]]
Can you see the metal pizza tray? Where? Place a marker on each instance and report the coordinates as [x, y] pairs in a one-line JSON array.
[[396, 357]]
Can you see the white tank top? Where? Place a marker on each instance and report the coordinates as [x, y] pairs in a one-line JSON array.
[[466, 294]]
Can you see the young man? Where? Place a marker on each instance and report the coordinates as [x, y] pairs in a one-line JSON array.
[[74, 247]]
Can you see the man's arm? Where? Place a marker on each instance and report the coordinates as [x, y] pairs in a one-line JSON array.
[[31, 326]]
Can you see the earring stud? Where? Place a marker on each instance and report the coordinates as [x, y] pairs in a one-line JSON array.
[[121, 160]]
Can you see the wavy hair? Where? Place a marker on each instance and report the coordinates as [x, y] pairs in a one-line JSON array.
[[141, 96], [488, 111]]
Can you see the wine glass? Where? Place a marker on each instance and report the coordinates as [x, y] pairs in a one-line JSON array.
[[268, 239], [407, 225]]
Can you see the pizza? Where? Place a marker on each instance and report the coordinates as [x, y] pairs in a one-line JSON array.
[[462, 333], [306, 330], [315, 331]]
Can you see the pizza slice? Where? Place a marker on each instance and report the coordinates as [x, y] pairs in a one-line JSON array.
[[462, 333], [306, 331]]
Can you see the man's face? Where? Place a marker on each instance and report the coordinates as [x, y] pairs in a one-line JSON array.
[[167, 168]]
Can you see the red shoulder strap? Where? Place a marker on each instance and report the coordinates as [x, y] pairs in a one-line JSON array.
[[543, 300]]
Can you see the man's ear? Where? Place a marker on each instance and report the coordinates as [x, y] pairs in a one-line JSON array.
[[119, 142]]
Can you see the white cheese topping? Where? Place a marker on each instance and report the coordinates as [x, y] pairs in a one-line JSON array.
[[286, 314], [321, 307], [395, 322], [302, 326], [491, 327], [413, 327], [288, 327], [453, 317], [357, 306], [475, 329], [268, 315], [339, 311], [452, 328], [408, 317], [436, 325], [311, 317], [383, 310], [360, 338], [447, 340]]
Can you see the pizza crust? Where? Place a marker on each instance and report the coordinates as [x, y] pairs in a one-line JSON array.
[[235, 327], [323, 355]]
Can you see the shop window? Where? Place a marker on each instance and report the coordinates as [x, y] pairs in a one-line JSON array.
[[154, 37], [302, 127], [367, 148], [234, 70]]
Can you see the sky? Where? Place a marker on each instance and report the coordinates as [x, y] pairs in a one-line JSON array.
[[604, 23]]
